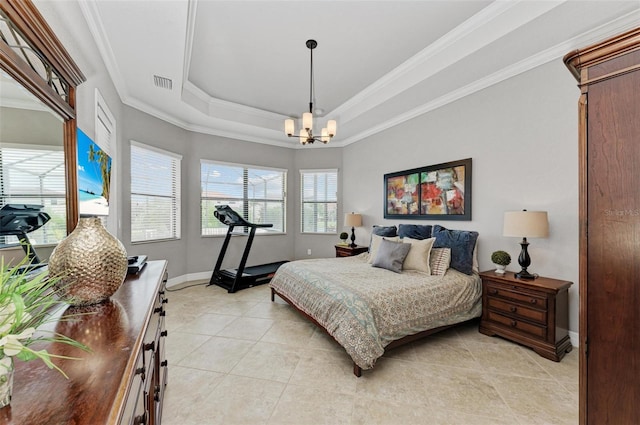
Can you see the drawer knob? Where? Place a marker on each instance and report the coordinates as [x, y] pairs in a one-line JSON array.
[[149, 346], [164, 333], [513, 309], [514, 323], [164, 363], [140, 420], [157, 309], [161, 292], [140, 371], [493, 291], [165, 300], [163, 313], [533, 301]]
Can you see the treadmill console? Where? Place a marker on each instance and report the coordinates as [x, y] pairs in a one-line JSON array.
[[227, 216]]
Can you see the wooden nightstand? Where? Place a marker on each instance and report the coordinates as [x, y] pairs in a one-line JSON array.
[[347, 251], [530, 312]]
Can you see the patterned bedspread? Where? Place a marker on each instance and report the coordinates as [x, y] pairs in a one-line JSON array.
[[365, 308]]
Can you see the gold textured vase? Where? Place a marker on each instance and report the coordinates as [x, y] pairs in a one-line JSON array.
[[90, 262]]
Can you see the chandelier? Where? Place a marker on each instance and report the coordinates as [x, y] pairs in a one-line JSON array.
[[306, 132]]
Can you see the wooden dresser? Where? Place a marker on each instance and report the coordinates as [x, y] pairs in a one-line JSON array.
[[121, 381], [531, 312]]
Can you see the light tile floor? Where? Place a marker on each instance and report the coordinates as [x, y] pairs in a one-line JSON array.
[[241, 359]]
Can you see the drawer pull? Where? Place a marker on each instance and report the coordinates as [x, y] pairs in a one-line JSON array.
[[493, 291], [163, 313], [513, 309], [164, 333], [533, 301], [157, 310], [514, 323], [149, 346], [164, 363], [160, 292], [165, 300], [140, 371]]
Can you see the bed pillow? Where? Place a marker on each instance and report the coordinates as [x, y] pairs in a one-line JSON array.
[[439, 261], [418, 256], [414, 231], [387, 231], [391, 255], [375, 244], [462, 244]]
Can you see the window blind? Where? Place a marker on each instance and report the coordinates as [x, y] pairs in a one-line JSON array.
[[35, 175], [319, 206], [256, 193], [155, 193]]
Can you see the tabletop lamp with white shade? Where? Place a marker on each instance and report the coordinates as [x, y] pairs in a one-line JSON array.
[[525, 224], [353, 220]]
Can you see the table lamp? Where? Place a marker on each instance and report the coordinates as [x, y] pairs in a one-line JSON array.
[[525, 224], [353, 220]]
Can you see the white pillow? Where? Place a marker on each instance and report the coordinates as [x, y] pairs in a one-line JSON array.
[[418, 256], [375, 244]]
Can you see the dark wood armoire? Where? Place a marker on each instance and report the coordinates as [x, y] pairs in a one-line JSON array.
[[609, 148]]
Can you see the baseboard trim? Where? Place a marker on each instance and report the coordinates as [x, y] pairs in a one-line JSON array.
[[575, 338], [189, 277]]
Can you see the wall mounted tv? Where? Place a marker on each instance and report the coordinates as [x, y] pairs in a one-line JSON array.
[[94, 177]]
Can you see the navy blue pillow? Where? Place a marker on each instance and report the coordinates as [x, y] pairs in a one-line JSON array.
[[388, 231], [461, 242], [415, 231]]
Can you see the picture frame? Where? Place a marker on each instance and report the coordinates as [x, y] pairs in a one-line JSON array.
[[435, 192]]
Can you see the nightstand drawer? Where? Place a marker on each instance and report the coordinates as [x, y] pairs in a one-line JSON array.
[[515, 293], [517, 310], [538, 331]]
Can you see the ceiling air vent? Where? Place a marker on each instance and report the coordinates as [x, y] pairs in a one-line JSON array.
[[162, 82]]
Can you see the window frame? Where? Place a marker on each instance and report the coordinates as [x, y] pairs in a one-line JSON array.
[[176, 195], [303, 203], [245, 199]]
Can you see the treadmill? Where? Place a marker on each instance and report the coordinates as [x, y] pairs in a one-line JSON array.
[[242, 277], [20, 219]]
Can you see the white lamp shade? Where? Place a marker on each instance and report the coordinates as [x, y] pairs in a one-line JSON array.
[[353, 220], [526, 224], [331, 127], [325, 135], [289, 127], [307, 120]]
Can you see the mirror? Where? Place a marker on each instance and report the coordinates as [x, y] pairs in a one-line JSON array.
[[33, 57], [32, 159]]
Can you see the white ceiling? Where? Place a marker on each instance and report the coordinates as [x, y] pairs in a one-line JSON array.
[[239, 68]]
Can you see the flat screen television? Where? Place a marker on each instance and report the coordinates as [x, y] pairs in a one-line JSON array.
[[94, 177]]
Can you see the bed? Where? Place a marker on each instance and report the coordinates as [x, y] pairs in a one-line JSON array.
[[368, 309]]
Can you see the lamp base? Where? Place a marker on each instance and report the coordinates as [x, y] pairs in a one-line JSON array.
[[524, 274]]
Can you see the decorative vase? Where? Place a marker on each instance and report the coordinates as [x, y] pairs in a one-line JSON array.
[[6, 383], [500, 269], [90, 262]]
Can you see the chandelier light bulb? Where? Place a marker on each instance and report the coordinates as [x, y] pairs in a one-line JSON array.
[[289, 127]]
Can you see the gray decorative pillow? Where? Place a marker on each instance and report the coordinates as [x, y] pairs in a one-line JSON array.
[[391, 255]]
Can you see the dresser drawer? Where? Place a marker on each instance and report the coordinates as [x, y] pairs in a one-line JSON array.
[[537, 331], [515, 293], [517, 310]]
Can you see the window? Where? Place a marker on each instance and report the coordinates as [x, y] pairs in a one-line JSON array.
[[35, 175], [258, 194], [319, 194], [155, 194]]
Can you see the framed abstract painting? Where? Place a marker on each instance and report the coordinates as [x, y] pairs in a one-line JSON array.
[[435, 192]]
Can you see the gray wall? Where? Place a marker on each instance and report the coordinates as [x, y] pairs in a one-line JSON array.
[[522, 137]]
